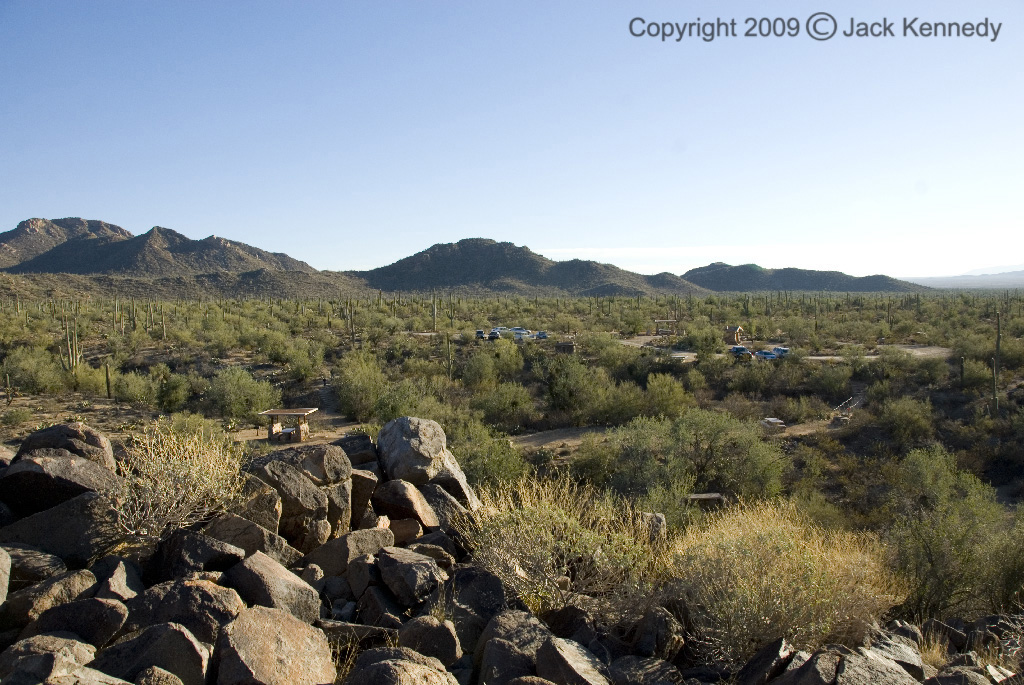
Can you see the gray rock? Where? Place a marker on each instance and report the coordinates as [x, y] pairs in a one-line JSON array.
[[907, 630], [819, 669], [635, 670], [522, 632], [361, 573], [411, 577], [471, 598], [405, 531], [302, 503], [252, 538], [336, 588], [358, 448], [399, 499], [569, 663], [431, 637], [301, 653], [77, 531], [339, 507], [185, 553], [199, 605], [154, 675], [656, 525], [442, 540], [122, 582], [77, 438], [378, 655], [261, 504], [55, 669], [38, 481], [66, 645], [868, 668], [445, 506], [401, 672], [169, 646], [30, 565], [416, 450], [363, 484], [342, 632], [501, 662], [333, 556], [530, 680], [658, 634], [322, 464], [959, 675], [96, 621], [443, 559], [769, 662], [262, 581], [26, 605], [902, 650], [377, 607]]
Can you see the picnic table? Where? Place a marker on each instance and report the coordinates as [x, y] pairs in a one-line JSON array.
[[297, 433]]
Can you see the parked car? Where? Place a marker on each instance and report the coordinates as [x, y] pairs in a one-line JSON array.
[[542, 335], [480, 335], [765, 355], [780, 351], [493, 335], [519, 330], [738, 350]]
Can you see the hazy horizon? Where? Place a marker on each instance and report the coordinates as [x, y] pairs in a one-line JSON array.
[[350, 135]]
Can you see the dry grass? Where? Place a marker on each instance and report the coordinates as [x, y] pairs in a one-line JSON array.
[[756, 572], [172, 479], [555, 543]]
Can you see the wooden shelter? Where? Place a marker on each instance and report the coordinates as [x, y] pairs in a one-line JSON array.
[[733, 335], [297, 433]]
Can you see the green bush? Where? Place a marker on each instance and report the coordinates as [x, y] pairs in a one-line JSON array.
[[173, 392], [135, 389], [33, 370], [234, 394], [15, 417], [360, 384], [908, 421], [509, 407]]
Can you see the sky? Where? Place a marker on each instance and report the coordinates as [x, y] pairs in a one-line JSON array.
[[350, 134]]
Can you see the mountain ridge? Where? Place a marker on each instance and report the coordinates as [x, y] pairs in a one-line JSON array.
[[722, 277]]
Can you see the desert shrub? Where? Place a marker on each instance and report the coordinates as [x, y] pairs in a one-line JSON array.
[[509, 406], [908, 421], [360, 383], [234, 394], [135, 389], [831, 381], [551, 541], [15, 417], [666, 396], [171, 480], [32, 370], [755, 572], [479, 372], [173, 392]]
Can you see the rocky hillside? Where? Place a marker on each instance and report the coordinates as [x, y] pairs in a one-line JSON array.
[[350, 548], [723, 277], [479, 264], [35, 237]]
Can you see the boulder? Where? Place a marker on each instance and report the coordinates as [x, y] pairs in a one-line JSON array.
[[416, 450], [900, 649], [520, 629], [39, 481], [118, 579], [959, 675], [443, 559], [501, 662], [819, 669], [262, 581], [399, 499], [405, 531], [65, 645], [342, 632], [301, 653], [361, 573], [260, 503], [322, 464], [77, 531], [252, 537], [77, 438], [96, 621], [199, 605], [56, 669], [303, 504], [635, 670], [411, 577], [442, 540], [377, 607], [471, 598], [868, 668], [339, 507], [169, 646], [333, 556], [185, 553], [656, 525], [154, 675], [769, 662], [445, 506], [658, 634], [431, 637], [30, 565], [363, 484], [26, 605], [402, 672], [358, 448], [569, 663]]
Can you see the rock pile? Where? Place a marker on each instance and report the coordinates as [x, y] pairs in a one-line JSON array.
[[336, 545]]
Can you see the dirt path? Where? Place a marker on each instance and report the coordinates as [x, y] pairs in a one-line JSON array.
[[568, 438]]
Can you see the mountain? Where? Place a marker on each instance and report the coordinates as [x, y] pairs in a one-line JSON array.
[[752, 278], [479, 264], [1009, 279], [77, 246], [35, 237]]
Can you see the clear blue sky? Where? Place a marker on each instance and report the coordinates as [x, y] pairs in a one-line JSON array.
[[351, 134]]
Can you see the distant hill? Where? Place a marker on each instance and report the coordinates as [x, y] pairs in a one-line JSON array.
[[478, 264], [752, 278], [97, 248], [1009, 279]]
